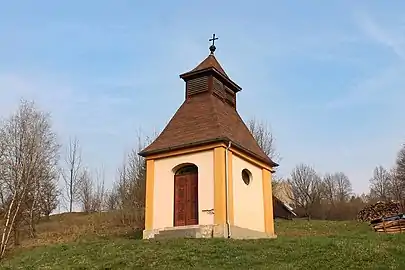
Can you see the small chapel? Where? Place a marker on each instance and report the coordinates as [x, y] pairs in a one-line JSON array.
[[206, 176]]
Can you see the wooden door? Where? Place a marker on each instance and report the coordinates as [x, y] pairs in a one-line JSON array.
[[186, 199], [192, 200], [180, 200]]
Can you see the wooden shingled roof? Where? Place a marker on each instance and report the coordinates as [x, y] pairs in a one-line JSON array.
[[210, 62], [205, 118]]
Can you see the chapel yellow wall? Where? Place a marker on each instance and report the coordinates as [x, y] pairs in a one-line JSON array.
[[149, 198], [163, 197], [231, 206], [211, 164], [219, 186], [248, 199], [268, 202]]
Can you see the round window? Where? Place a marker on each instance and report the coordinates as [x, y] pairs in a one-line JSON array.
[[246, 176]]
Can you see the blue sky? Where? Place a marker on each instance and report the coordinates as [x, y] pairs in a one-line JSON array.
[[327, 75]]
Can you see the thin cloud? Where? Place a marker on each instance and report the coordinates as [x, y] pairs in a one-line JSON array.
[[391, 36], [376, 89], [387, 82]]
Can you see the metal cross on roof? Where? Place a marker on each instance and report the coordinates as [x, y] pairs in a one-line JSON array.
[[213, 39], [212, 47]]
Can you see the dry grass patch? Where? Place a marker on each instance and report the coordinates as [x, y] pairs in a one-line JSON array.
[[70, 227]]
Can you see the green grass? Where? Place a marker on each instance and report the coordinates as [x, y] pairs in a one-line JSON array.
[[300, 245]]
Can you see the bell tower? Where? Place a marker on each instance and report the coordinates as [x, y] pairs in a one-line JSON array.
[[210, 77]]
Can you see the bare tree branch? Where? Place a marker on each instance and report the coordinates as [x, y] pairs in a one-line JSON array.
[[306, 188], [130, 188], [337, 187], [98, 196], [398, 179], [400, 165], [72, 172], [380, 184], [85, 191], [262, 133], [29, 153]]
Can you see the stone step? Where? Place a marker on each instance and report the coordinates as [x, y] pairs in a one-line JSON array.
[[179, 233]]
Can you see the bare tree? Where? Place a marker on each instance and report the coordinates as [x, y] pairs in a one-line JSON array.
[[397, 183], [112, 199], [262, 133], [329, 188], [72, 173], [49, 194], [306, 188], [380, 184], [400, 165], [130, 188], [85, 191], [3, 186], [99, 193], [30, 152], [397, 192], [343, 186], [337, 194]]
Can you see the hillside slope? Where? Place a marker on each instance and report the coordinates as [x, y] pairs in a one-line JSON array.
[[300, 245]]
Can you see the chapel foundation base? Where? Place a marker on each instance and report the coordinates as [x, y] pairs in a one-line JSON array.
[[205, 231], [244, 233]]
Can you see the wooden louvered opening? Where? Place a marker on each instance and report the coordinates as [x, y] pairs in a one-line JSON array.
[[224, 92], [196, 86], [218, 88], [230, 96]]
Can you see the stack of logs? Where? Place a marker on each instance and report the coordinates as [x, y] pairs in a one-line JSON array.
[[379, 210], [384, 217], [394, 224]]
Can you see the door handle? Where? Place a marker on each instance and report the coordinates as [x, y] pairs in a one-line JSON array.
[[208, 211]]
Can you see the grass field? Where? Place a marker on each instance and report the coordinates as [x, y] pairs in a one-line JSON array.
[[300, 245]]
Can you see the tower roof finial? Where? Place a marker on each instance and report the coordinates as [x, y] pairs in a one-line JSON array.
[[212, 47]]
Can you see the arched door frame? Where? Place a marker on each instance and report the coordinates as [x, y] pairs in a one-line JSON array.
[[185, 204]]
